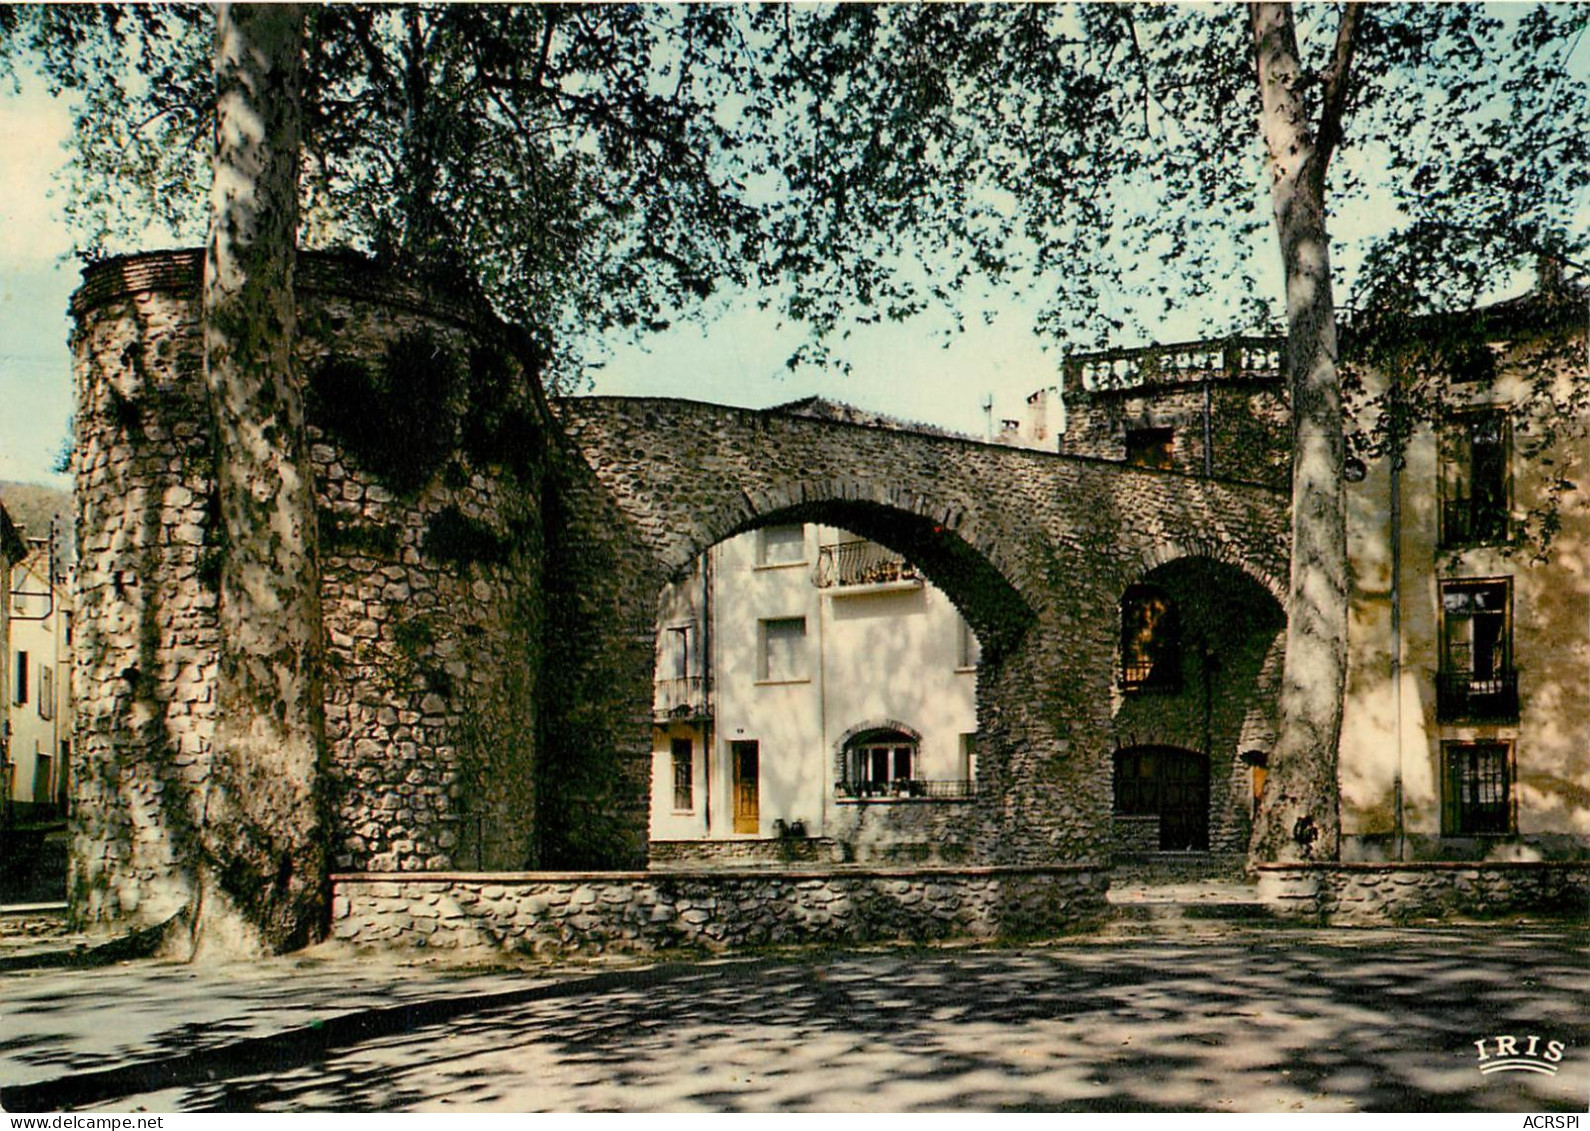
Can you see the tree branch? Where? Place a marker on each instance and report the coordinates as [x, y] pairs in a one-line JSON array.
[[1338, 82]]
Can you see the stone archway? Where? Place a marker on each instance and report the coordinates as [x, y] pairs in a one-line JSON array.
[[1197, 671]]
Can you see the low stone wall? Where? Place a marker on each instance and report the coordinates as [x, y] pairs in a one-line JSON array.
[[555, 913], [1378, 893], [764, 852]]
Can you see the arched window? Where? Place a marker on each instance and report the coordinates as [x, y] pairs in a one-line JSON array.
[[1150, 640], [881, 763]]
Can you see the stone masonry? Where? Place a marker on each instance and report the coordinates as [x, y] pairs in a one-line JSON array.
[[431, 663], [562, 913], [1035, 550], [1380, 893], [491, 617]]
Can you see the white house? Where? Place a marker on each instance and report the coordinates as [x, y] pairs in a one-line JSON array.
[[814, 693], [38, 691]]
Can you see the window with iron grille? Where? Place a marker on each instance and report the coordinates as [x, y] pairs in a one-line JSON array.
[[683, 752], [1478, 789], [1477, 679], [1476, 480], [1150, 641], [880, 764]]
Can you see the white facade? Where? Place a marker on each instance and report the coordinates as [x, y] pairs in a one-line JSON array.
[[805, 675], [38, 687]]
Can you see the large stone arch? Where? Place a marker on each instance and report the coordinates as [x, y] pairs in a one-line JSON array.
[[1032, 547], [494, 626]]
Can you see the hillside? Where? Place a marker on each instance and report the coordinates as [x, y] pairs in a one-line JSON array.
[[32, 505]]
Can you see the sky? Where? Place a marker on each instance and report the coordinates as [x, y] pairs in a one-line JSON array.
[[909, 371], [737, 358]]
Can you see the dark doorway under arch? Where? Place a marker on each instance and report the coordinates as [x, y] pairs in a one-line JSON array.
[[1171, 784]]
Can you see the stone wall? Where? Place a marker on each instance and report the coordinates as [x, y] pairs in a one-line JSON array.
[[1249, 426], [1034, 549], [759, 853], [563, 913], [1376, 893], [490, 588], [432, 646]]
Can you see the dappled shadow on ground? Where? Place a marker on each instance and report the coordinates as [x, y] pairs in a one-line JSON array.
[[1261, 1021]]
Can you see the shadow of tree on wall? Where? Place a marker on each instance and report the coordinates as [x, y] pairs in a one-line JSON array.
[[1267, 1021]]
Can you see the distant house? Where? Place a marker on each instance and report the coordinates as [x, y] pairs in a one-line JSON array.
[[13, 548], [38, 692], [815, 697]]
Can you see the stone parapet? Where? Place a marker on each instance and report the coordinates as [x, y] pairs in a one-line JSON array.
[[1380, 893], [558, 913]]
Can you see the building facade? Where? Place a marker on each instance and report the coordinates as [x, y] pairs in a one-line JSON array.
[[38, 689], [815, 698], [1466, 728], [13, 549]]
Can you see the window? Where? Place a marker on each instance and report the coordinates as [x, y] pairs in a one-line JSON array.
[[969, 760], [43, 777], [882, 763], [676, 653], [1477, 795], [1476, 680], [683, 753], [1136, 783], [1475, 479], [20, 692], [783, 649], [968, 650], [1150, 447], [1150, 641], [781, 545], [680, 688], [46, 692]]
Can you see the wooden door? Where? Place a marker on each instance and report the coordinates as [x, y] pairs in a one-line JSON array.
[[747, 763], [1183, 801]]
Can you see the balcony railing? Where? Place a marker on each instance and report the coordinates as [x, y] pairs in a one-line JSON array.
[[862, 563], [1470, 522], [951, 789], [680, 697], [1466, 695], [1184, 363]]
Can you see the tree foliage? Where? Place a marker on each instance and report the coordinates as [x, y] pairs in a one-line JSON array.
[[571, 163]]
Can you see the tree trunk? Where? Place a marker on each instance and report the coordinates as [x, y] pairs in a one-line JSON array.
[[1298, 817], [262, 885]]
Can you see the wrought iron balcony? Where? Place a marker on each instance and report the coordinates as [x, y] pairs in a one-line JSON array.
[[1184, 363], [1467, 695], [1472, 522], [862, 563], [953, 789], [680, 697]]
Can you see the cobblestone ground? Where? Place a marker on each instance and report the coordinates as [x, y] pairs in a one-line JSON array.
[[1226, 1019]]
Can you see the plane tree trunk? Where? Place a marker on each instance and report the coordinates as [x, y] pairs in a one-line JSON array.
[[1298, 817], [263, 863]]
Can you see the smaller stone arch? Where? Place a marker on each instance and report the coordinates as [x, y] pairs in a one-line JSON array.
[[1194, 546], [1213, 689]]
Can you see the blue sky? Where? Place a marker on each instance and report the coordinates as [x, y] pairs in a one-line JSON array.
[[735, 358]]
